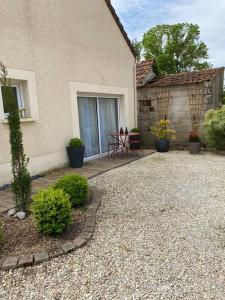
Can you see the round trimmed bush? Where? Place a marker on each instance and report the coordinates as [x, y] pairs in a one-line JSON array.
[[76, 142], [76, 186], [52, 211]]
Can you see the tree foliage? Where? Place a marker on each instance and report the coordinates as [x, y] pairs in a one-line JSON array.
[[138, 48], [21, 184], [176, 48]]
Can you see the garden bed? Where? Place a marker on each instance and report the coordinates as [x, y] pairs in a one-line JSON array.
[[22, 237]]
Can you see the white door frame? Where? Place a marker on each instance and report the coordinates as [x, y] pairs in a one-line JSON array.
[[81, 88]]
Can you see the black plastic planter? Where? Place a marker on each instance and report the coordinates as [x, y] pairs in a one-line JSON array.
[[76, 156], [162, 145]]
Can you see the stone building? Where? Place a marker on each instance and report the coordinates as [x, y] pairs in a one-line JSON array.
[[182, 98]]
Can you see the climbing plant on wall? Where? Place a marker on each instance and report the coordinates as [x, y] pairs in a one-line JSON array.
[[195, 105], [21, 184]]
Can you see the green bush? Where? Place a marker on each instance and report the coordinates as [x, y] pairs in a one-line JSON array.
[[2, 237], [76, 186], [215, 128], [76, 142], [52, 211], [135, 130]]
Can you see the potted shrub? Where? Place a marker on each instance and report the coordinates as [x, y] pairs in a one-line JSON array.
[[135, 145], [194, 143], [75, 152], [163, 134]]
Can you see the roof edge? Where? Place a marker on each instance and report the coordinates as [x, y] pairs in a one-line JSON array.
[[148, 84], [122, 30]]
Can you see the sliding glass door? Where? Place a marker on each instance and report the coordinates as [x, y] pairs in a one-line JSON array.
[[108, 119], [87, 108], [96, 116]]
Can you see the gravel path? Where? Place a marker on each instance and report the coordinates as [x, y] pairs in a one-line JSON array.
[[160, 235]]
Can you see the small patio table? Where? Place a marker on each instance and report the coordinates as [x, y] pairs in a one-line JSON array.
[[123, 141]]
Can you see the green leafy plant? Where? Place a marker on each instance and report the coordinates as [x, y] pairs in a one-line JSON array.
[[214, 124], [162, 131], [52, 211], [135, 130], [21, 184], [75, 142], [2, 237], [137, 48], [76, 186]]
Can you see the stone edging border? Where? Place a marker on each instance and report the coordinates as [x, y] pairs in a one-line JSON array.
[[43, 256]]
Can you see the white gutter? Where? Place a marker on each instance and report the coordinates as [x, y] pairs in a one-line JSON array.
[[135, 92]]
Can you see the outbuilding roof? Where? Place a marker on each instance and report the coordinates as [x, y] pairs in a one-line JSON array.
[[185, 78], [144, 67]]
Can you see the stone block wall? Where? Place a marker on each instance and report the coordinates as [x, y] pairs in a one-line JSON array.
[[184, 105]]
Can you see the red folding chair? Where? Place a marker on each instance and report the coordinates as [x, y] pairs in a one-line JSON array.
[[113, 142]]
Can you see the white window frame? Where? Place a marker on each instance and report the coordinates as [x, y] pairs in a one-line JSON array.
[[31, 94], [81, 88], [19, 94]]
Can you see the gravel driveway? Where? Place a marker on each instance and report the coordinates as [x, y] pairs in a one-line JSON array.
[[160, 234]]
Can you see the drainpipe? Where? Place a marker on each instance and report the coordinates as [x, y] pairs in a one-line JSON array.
[[135, 93]]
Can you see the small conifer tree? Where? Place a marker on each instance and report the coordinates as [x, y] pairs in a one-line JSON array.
[[21, 184]]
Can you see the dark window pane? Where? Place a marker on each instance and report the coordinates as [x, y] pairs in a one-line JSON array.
[[4, 98]]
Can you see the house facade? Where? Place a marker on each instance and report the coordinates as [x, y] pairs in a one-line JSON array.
[[73, 71], [182, 98]]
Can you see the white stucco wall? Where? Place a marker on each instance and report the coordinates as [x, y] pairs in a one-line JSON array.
[[69, 46]]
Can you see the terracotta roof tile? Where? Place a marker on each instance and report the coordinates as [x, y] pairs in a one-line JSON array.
[[114, 14], [184, 78], [143, 68]]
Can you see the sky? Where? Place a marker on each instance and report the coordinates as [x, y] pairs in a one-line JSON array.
[[137, 16]]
